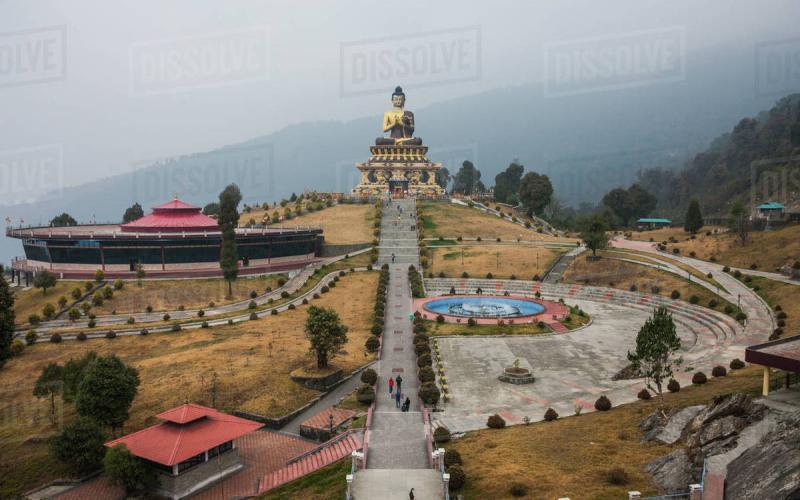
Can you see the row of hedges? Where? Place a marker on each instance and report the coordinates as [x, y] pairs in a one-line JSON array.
[[379, 313], [415, 281], [428, 391]]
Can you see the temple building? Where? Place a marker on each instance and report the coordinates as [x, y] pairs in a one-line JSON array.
[[398, 164], [175, 240], [194, 447]]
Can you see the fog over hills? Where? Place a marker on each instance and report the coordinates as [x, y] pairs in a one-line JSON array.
[[587, 143]]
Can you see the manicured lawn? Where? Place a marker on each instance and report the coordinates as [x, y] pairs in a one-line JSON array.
[[571, 456], [251, 361], [523, 261]]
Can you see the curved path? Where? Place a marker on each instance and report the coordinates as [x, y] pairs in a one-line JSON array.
[[574, 368], [295, 282]]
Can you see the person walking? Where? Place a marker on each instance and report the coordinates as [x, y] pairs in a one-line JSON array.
[[397, 398], [398, 382], [392, 258], [391, 385]]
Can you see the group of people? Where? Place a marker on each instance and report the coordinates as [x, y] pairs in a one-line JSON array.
[[398, 395]]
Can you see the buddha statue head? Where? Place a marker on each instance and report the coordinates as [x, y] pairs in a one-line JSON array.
[[398, 97]]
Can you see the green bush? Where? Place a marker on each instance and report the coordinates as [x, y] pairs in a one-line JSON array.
[[550, 415], [80, 445], [457, 477], [424, 360], [422, 348], [439, 319], [675, 294], [452, 457], [429, 393], [111, 334], [365, 394], [694, 299], [673, 386], [372, 344], [426, 374], [495, 422], [30, 337], [699, 378], [644, 395], [719, 371], [441, 434], [369, 376], [737, 364], [602, 403], [55, 338]]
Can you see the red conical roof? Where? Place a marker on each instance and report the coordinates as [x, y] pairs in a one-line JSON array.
[[173, 216]]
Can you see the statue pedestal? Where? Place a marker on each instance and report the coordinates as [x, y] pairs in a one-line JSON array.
[[398, 170]]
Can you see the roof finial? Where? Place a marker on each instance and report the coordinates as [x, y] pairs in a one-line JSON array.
[[175, 196]]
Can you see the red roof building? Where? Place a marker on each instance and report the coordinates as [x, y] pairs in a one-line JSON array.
[[192, 448], [173, 216]]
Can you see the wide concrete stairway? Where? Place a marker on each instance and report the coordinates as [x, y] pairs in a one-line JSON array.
[[397, 458], [399, 234]]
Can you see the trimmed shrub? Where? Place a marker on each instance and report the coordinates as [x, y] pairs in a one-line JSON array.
[[452, 456], [518, 490], [740, 316], [365, 394], [284, 294], [457, 477], [424, 360], [273, 312], [644, 395], [30, 337], [376, 329], [422, 348], [495, 422], [81, 336], [426, 374], [166, 317], [369, 376], [34, 319], [719, 371], [149, 308], [673, 386], [55, 338], [291, 307], [372, 344], [176, 327], [728, 309], [439, 319], [617, 476], [201, 313], [131, 320], [694, 299], [675, 294], [737, 364], [602, 404], [550, 415], [324, 289], [442, 435], [252, 304], [204, 324], [699, 378], [111, 334], [253, 316], [429, 393], [253, 294], [92, 323], [305, 301], [471, 322], [713, 303], [143, 331]]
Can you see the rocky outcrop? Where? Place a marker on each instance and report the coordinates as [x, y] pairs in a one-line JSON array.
[[769, 470], [671, 473], [707, 431]]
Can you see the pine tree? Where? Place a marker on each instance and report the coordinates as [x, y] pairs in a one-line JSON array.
[[228, 219], [694, 218], [6, 320]]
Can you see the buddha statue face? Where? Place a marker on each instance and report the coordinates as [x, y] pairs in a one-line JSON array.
[[398, 100]]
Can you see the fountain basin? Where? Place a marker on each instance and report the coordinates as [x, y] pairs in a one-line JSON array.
[[517, 376]]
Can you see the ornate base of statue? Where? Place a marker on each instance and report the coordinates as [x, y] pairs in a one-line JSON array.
[[398, 171], [398, 165]]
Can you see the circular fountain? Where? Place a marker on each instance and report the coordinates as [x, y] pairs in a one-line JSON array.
[[484, 307]]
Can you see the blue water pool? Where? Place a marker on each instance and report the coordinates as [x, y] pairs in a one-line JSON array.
[[484, 307]]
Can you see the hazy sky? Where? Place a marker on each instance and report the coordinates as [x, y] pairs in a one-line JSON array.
[[97, 78]]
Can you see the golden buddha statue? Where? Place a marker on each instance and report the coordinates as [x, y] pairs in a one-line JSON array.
[[399, 123]]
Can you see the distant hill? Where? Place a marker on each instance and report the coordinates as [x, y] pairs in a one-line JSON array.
[[757, 161], [587, 143]]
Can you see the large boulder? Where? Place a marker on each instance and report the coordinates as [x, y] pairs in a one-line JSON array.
[[739, 405], [672, 473], [673, 430], [769, 470], [719, 429]]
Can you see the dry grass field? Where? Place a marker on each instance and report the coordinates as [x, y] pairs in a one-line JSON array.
[[450, 221], [341, 224], [502, 261], [571, 456], [251, 360], [782, 294], [32, 300], [622, 275], [768, 250], [168, 295]]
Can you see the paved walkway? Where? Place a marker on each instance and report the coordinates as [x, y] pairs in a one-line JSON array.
[[398, 457]]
